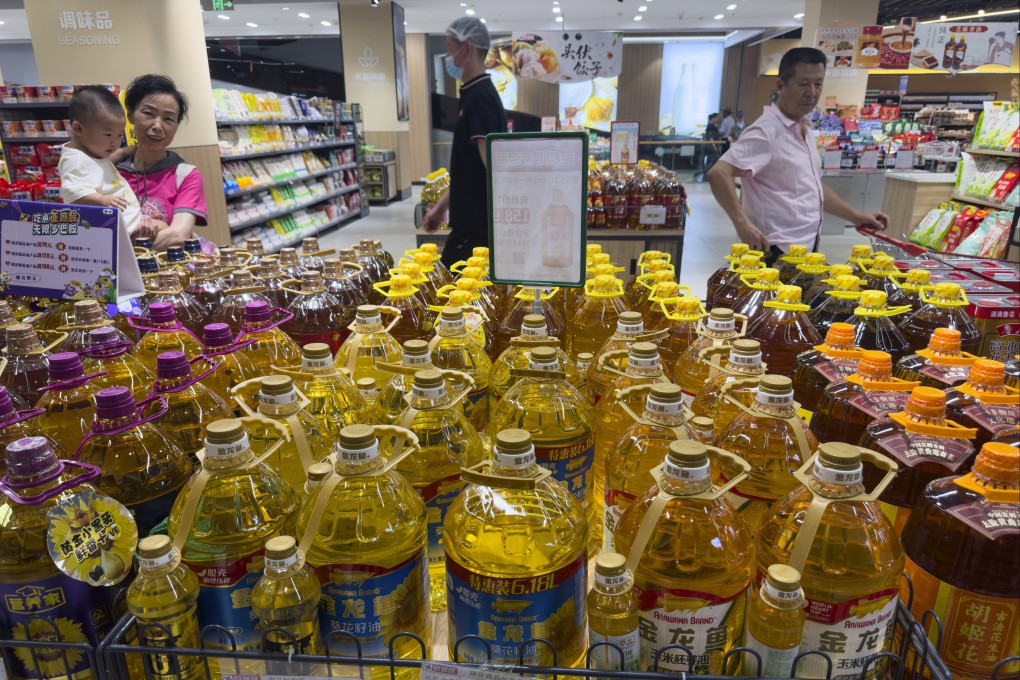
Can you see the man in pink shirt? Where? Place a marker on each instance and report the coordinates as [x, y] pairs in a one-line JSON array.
[[780, 169]]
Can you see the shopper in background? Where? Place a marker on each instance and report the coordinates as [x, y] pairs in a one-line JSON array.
[[738, 126], [481, 113], [170, 190], [780, 169], [726, 127]]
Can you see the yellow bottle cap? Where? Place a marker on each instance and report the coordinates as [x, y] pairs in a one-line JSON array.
[[860, 251], [797, 250]]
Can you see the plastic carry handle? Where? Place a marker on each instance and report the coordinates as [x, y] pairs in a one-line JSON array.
[[213, 365], [676, 315], [286, 316], [142, 420], [480, 474], [942, 302], [88, 473]]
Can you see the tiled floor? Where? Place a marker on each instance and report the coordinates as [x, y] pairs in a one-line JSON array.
[[708, 238]]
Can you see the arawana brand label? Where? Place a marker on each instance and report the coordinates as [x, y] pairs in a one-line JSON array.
[[508, 611], [707, 625], [848, 632], [614, 510], [605, 657], [373, 603], [914, 449], [878, 403], [224, 598], [570, 464], [978, 630], [991, 520], [437, 497]]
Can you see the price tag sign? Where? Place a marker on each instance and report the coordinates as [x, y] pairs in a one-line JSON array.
[[831, 159], [74, 252], [538, 200], [623, 141], [904, 159], [653, 214], [869, 159]]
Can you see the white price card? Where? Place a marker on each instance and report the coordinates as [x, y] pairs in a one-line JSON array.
[[538, 200], [432, 670], [869, 159], [831, 159], [652, 214], [904, 159]]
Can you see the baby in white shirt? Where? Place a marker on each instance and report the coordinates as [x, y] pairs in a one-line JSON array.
[[87, 175]]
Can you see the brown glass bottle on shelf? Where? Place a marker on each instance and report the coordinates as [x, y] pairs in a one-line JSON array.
[[815, 295], [908, 291], [731, 287], [712, 285], [944, 306], [671, 195], [683, 314], [924, 443], [985, 401], [759, 288], [847, 407], [880, 274], [874, 325], [787, 265], [941, 364], [810, 270], [839, 303], [784, 331], [824, 364], [640, 193]]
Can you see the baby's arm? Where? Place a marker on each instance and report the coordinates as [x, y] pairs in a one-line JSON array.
[[103, 201]]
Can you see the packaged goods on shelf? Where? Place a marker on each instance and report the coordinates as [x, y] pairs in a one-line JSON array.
[[232, 105], [998, 128], [641, 196]]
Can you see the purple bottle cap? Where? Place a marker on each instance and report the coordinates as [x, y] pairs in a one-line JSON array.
[[30, 457], [217, 335], [65, 366], [162, 312], [113, 403], [172, 365], [6, 404], [102, 336], [256, 311]]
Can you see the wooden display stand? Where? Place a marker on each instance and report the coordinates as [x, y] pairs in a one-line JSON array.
[[910, 195]]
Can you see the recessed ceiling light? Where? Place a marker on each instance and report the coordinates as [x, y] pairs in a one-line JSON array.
[[556, 10], [943, 17], [463, 4], [285, 9], [251, 24], [482, 20], [638, 18], [719, 16], [470, 12], [326, 23], [981, 12], [731, 7], [798, 16], [559, 18], [304, 15], [643, 8], [223, 16]]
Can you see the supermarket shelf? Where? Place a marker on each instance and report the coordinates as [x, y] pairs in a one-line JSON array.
[[318, 230], [992, 152], [981, 201], [285, 182], [280, 213], [281, 152], [281, 121], [37, 105], [39, 139]]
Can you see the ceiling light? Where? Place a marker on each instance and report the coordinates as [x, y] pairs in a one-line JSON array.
[[973, 16], [981, 12], [251, 24], [798, 16], [643, 8], [470, 12], [463, 4], [556, 10], [285, 9], [304, 15], [717, 17], [482, 20], [731, 7], [637, 18], [943, 17], [559, 19], [223, 16], [326, 23]]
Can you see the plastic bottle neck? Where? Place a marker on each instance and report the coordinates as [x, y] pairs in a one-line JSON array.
[[661, 413], [832, 483], [616, 584]]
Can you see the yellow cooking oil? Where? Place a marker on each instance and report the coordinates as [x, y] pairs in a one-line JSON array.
[[220, 523], [599, 263], [116, 367], [390, 399], [647, 284], [516, 562], [596, 316], [630, 326], [335, 401], [693, 562], [744, 362], [67, 402], [163, 333], [448, 442], [652, 311], [534, 332], [163, 598], [527, 301], [833, 531], [233, 366], [718, 328], [271, 346], [369, 391], [364, 532], [775, 624], [683, 315], [369, 343], [796, 254], [454, 348], [649, 263], [483, 328], [613, 638], [414, 320]]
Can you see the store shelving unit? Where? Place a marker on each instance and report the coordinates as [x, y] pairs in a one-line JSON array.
[[355, 121], [41, 110], [386, 183]]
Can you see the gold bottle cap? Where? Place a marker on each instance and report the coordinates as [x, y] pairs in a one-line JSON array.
[[242, 278], [452, 314], [368, 314], [687, 453], [154, 547], [165, 279], [319, 471], [783, 577], [226, 431], [585, 358], [346, 254], [416, 348], [21, 339], [534, 321], [775, 384], [428, 379], [703, 423], [280, 547], [839, 456], [6, 316], [610, 564], [543, 355], [330, 267], [365, 384], [357, 437], [288, 257], [721, 314], [666, 393], [311, 281], [316, 350], [513, 441], [644, 350], [269, 266], [277, 384], [310, 244], [746, 347], [89, 312]]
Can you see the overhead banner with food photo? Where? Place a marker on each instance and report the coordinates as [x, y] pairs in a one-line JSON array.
[[946, 46], [499, 64], [589, 104], [567, 56]]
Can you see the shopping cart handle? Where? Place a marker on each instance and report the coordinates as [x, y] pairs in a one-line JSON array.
[[905, 246]]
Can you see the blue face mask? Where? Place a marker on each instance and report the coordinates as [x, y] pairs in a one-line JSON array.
[[454, 71]]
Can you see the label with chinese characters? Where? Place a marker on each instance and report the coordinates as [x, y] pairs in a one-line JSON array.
[[849, 633], [92, 538], [437, 497], [508, 611], [707, 625], [605, 657], [947, 375], [836, 369], [373, 603], [572, 465], [775, 663], [913, 449], [617, 501], [994, 418], [879, 404], [58, 607], [992, 520], [979, 630], [224, 598]]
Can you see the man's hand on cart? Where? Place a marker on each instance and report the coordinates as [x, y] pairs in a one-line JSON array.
[[876, 219]]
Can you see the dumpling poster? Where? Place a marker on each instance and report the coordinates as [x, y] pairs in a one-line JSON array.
[[566, 56]]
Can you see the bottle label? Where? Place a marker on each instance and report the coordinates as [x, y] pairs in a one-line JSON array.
[[663, 408], [686, 474], [616, 502], [836, 369], [709, 626], [775, 663], [316, 364], [948, 375], [571, 465], [633, 329], [358, 455], [879, 404], [745, 360], [156, 562], [605, 657], [508, 611], [824, 473], [720, 326], [979, 630], [278, 399], [643, 363], [914, 449], [281, 564], [995, 418], [183, 632], [438, 496], [429, 392], [534, 332], [774, 401], [58, 607], [415, 359], [991, 520], [92, 538], [227, 450], [372, 602], [224, 598], [849, 633]]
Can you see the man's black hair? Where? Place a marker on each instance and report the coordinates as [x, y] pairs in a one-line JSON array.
[[799, 55], [150, 84], [89, 100], [726, 112]]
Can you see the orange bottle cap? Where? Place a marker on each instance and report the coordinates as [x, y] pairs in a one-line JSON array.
[[999, 462], [840, 335], [945, 341], [875, 365], [987, 373], [927, 402]]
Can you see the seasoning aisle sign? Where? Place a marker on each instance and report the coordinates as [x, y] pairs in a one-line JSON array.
[[538, 195], [74, 252]]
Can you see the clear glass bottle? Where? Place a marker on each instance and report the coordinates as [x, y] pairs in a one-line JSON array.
[[759, 288], [191, 406], [944, 306], [233, 307], [815, 295], [775, 624], [318, 316], [630, 327], [88, 315], [67, 402], [694, 566], [985, 402], [613, 616], [796, 254], [718, 328], [167, 287], [272, 347], [816, 368], [744, 366], [335, 401], [838, 305], [546, 563], [27, 372], [683, 314], [712, 285], [454, 348], [941, 364], [163, 598], [875, 328], [163, 333], [596, 316], [784, 330], [730, 287], [240, 505]]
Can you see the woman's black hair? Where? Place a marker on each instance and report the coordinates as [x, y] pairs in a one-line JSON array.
[[150, 84]]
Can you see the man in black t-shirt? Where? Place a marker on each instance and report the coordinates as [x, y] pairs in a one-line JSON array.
[[481, 113]]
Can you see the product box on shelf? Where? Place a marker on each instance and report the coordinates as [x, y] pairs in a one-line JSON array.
[[1004, 276], [928, 263], [998, 318]]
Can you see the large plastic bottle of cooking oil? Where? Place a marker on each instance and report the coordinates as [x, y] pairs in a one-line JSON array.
[[163, 598], [191, 406], [941, 364], [810, 270], [271, 346], [816, 368], [908, 291], [141, 467], [859, 253], [683, 314], [390, 400], [430, 266], [414, 320], [596, 316], [88, 315], [167, 287], [364, 531], [647, 284], [644, 266], [731, 288], [442, 275], [847, 406], [448, 442], [342, 281], [454, 348], [784, 330], [744, 365], [311, 254], [815, 295], [544, 570], [531, 301], [796, 254], [27, 370], [693, 561], [597, 263], [108, 355], [769, 436], [479, 298], [838, 304], [630, 328], [642, 446], [759, 288], [68, 402], [483, 329], [963, 559], [234, 366], [37, 483], [206, 287], [318, 315], [850, 558], [944, 306], [335, 401], [276, 282], [533, 333], [1013, 371], [718, 328], [425, 292], [880, 274], [233, 307], [613, 616], [15, 423], [163, 333], [985, 401], [736, 251], [875, 327], [775, 624], [924, 443], [220, 523], [652, 311], [290, 263], [491, 300], [368, 343]]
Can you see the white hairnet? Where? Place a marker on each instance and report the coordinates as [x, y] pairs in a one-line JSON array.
[[470, 30]]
